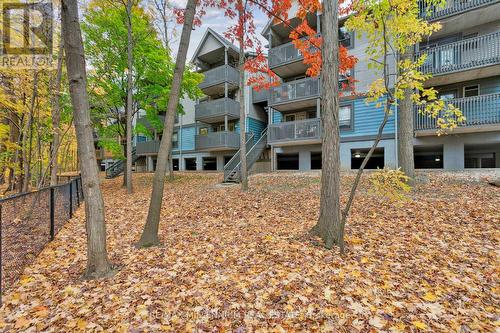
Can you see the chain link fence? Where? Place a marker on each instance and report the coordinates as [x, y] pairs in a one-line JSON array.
[[28, 221]]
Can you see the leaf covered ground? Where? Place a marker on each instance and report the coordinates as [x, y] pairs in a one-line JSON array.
[[244, 263]]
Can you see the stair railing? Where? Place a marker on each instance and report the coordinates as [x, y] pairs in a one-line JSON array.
[[234, 162]]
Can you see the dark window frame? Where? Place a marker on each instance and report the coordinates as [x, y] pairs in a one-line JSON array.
[[349, 127]]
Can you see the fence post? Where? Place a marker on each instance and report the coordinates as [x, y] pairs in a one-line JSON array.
[[52, 213], [77, 193], [70, 199], [81, 186], [1, 271]]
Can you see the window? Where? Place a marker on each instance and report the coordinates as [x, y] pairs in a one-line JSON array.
[[289, 117], [346, 38], [447, 95], [203, 131], [345, 115], [175, 140], [344, 79], [470, 91]]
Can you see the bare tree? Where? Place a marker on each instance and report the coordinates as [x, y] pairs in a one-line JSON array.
[[329, 223], [56, 116], [98, 264], [149, 235], [243, 138]]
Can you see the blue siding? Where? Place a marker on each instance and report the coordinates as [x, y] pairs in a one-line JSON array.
[[187, 136], [367, 119], [277, 117], [255, 126]]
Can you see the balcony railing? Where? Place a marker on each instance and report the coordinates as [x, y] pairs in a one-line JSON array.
[[452, 7], [219, 75], [295, 90], [283, 54], [309, 129], [218, 141], [260, 96], [477, 110], [465, 54], [148, 147], [217, 108]]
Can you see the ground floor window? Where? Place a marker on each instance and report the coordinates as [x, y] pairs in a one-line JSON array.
[[376, 161], [316, 161], [175, 164], [428, 157], [190, 163], [288, 161], [209, 163]]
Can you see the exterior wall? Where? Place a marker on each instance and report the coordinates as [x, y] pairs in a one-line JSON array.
[[255, 126]]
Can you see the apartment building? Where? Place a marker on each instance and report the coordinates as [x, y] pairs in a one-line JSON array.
[[207, 136], [284, 124], [464, 58]]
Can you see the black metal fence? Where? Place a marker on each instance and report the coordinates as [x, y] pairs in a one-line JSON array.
[[28, 221]]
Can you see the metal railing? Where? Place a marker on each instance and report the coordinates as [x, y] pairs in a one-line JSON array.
[[283, 54], [232, 167], [477, 110], [260, 96], [217, 108], [147, 147], [217, 140], [221, 74], [295, 90], [461, 55], [309, 129], [451, 7], [28, 221], [117, 168]]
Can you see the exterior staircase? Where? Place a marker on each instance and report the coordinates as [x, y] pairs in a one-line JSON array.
[[232, 170], [117, 168]]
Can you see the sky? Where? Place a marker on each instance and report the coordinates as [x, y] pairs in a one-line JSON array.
[[215, 19]]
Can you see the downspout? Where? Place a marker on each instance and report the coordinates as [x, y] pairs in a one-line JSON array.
[[180, 142]]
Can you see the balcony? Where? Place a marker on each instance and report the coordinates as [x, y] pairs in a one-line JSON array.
[[260, 96], [471, 55], [452, 7], [295, 132], [214, 80], [295, 94], [216, 110], [148, 147], [482, 113], [218, 141]]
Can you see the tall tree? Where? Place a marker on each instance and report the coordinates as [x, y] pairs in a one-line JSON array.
[[56, 116], [98, 264], [149, 235], [241, 35], [329, 223], [130, 101]]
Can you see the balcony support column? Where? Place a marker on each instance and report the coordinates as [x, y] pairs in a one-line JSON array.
[[304, 160], [226, 60], [318, 108], [453, 155], [318, 22], [226, 128]]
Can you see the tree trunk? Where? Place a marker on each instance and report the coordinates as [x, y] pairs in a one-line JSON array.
[[56, 116], [241, 90], [149, 235], [329, 223], [97, 256], [28, 135], [130, 65], [405, 130]]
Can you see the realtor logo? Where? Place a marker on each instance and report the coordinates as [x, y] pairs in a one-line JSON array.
[[27, 28]]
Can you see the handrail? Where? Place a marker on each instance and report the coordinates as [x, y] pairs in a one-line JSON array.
[[452, 7]]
